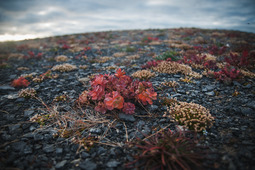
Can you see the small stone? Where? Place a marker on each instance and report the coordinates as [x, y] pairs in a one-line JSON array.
[[88, 165], [247, 111], [248, 86], [126, 117], [19, 146], [60, 164], [48, 148], [140, 124], [32, 128], [28, 150], [236, 83], [84, 155], [5, 136], [177, 76], [176, 95], [13, 128], [59, 151], [181, 91], [12, 96], [251, 105], [100, 150], [37, 146], [210, 93], [112, 164], [208, 88], [153, 108], [38, 137], [5, 89], [95, 130], [28, 113]]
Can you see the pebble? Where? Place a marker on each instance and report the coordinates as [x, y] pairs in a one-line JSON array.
[[88, 165], [60, 164], [28, 113], [48, 148], [59, 151], [5, 89], [112, 164], [153, 108], [126, 117], [210, 93], [84, 155]]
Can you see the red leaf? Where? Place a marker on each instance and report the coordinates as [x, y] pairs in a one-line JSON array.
[[97, 93], [119, 73], [116, 101]]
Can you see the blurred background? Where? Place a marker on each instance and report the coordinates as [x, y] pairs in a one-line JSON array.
[[25, 19]]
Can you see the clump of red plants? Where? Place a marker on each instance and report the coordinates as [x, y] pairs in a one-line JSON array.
[[20, 82], [31, 54], [241, 61], [116, 91], [149, 64], [227, 74], [65, 47], [194, 59], [149, 39], [215, 50], [168, 150]]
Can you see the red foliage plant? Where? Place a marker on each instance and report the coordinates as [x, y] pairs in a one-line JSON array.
[[215, 50], [20, 82], [240, 61], [149, 39], [199, 60], [228, 74], [168, 150], [87, 48], [65, 47], [31, 55], [110, 92]]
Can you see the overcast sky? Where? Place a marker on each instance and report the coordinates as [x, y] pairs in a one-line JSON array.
[[21, 19]]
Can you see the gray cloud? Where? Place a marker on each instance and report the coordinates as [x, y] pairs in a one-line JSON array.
[[47, 17]]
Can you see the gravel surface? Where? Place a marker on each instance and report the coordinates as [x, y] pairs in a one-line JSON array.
[[25, 144]]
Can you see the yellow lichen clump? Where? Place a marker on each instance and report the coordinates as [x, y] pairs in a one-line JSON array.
[[208, 56], [104, 59], [247, 73], [119, 54], [27, 93], [22, 68], [195, 75], [133, 57], [191, 115], [84, 67], [172, 84], [143, 74], [61, 58], [174, 67], [64, 67]]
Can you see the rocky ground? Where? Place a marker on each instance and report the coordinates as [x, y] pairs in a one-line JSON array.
[[27, 144]]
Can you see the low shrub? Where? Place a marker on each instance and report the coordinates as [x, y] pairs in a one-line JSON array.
[[20, 82], [168, 150], [110, 92]]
